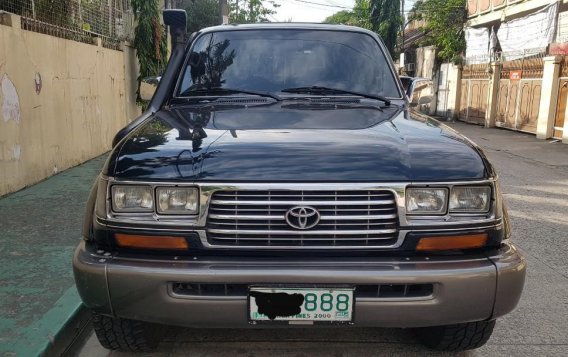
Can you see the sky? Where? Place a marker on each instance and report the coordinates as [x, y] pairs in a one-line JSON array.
[[314, 10]]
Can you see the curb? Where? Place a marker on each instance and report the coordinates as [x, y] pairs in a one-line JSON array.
[[72, 335], [58, 332]]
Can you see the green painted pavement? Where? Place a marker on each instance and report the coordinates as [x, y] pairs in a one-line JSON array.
[[39, 229]]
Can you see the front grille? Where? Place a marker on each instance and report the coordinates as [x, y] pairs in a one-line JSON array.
[[380, 291], [251, 218]]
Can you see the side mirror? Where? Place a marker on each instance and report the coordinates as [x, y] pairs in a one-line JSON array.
[[148, 87], [176, 20], [421, 93]]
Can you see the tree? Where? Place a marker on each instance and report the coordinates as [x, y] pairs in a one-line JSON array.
[[251, 11], [386, 20], [362, 14], [342, 17], [445, 21], [201, 14], [380, 16], [149, 39], [359, 16]]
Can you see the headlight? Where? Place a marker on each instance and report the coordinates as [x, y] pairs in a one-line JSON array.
[[176, 200], [129, 198], [427, 201], [469, 199]]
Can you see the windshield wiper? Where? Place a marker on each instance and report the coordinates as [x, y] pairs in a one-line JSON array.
[[327, 90], [226, 91]]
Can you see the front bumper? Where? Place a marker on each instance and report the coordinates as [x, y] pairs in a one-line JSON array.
[[464, 289]]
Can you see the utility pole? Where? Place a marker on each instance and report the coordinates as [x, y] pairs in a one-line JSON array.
[[224, 12]]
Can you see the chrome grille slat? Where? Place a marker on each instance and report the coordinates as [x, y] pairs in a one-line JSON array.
[[302, 233], [307, 239], [360, 225], [257, 218], [323, 218], [275, 197], [305, 202]]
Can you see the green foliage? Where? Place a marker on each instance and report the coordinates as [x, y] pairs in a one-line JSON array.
[[386, 20], [380, 16], [251, 11], [342, 17], [201, 14], [149, 39], [445, 21], [362, 14]]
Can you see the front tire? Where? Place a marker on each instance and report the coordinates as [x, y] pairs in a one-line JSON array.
[[457, 337], [125, 335]]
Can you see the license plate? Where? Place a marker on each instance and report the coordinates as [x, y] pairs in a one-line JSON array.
[[301, 304]]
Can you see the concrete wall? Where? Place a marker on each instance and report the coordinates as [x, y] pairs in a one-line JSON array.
[[425, 60], [449, 82], [61, 102]]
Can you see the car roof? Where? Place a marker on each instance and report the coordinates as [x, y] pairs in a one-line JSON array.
[[288, 26]]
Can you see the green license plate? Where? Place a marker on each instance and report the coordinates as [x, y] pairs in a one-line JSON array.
[[301, 304]]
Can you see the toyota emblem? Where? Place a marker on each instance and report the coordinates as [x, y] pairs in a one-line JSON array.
[[302, 217]]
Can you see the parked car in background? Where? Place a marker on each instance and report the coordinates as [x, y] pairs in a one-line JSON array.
[[279, 178]]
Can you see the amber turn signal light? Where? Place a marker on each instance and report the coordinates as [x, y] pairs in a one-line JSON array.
[[468, 241], [150, 242]]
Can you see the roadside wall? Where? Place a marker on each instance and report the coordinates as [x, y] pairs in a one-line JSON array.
[[61, 102], [448, 80], [425, 59]]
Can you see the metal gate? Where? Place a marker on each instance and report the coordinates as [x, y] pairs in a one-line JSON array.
[[474, 89], [519, 94]]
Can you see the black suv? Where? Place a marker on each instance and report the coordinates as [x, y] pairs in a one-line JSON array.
[[279, 178]]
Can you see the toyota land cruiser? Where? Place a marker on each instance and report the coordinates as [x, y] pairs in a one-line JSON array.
[[279, 177]]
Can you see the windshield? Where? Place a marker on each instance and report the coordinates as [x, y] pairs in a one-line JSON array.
[[273, 60]]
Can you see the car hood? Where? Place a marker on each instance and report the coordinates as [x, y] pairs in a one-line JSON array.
[[305, 143]]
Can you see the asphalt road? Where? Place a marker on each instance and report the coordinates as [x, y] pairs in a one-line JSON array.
[[534, 178]]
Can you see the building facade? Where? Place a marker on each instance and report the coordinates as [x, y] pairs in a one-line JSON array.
[[515, 73]]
